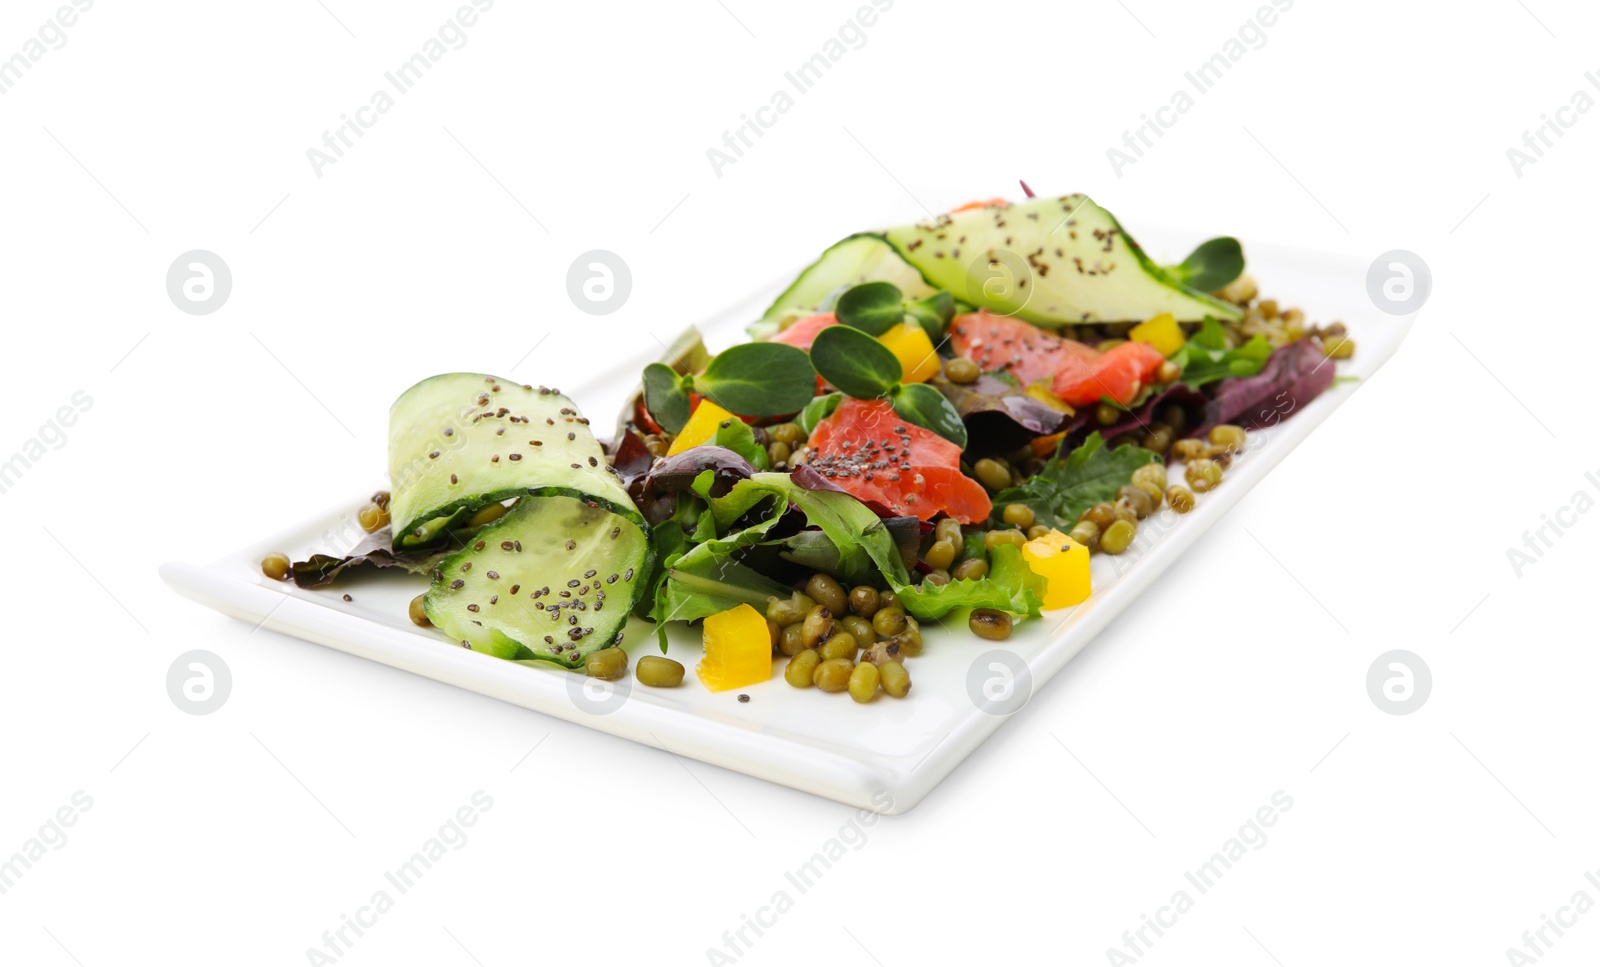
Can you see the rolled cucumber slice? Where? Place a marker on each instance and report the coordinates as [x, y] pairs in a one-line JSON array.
[[552, 580], [1052, 261], [852, 261], [460, 441]]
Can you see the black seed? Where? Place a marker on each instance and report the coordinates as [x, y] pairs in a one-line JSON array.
[[516, 456], [434, 455], [473, 608], [456, 584], [494, 599], [505, 545], [593, 462], [467, 566], [449, 431], [590, 573], [348, 598], [572, 545], [515, 588], [478, 546], [612, 579], [629, 575], [615, 531], [494, 575], [572, 583], [453, 479], [743, 697]]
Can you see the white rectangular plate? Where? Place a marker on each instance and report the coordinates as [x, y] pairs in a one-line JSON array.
[[884, 756]]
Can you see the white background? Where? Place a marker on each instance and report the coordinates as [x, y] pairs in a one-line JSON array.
[[442, 240]]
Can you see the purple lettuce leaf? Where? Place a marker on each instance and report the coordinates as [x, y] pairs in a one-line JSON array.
[[999, 417], [374, 551], [1293, 376]]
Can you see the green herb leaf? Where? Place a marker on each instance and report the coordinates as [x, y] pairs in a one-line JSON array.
[[1068, 486], [737, 436], [854, 362], [818, 410], [1206, 358], [872, 307], [759, 379], [1212, 265], [665, 398], [928, 408], [698, 574], [933, 314]]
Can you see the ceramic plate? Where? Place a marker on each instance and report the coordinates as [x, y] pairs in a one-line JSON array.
[[885, 756]]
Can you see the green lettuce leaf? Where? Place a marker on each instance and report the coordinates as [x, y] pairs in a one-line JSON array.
[[738, 437], [1068, 486], [1206, 358], [1011, 586]]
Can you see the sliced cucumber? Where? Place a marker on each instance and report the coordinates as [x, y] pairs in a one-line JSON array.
[[1051, 261], [461, 441], [552, 580], [857, 259]]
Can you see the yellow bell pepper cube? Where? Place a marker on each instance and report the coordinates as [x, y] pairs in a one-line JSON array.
[[919, 362], [1040, 390], [738, 649], [1064, 564], [1161, 332], [701, 428]]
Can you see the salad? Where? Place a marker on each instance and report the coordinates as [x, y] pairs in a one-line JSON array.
[[936, 422]]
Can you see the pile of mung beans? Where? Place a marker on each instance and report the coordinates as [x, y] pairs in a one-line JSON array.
[[1279, 326], [852, 641]]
